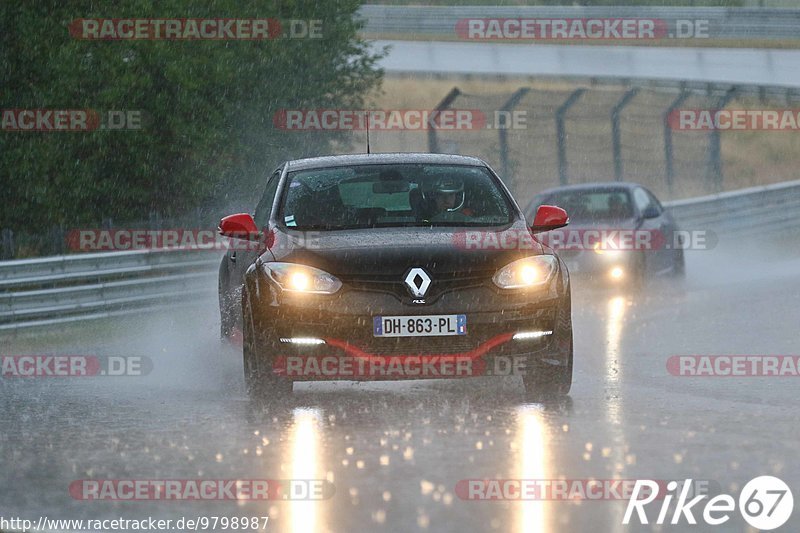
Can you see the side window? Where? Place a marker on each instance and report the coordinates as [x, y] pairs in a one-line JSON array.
[[641, 198], [654, 201], [265, 205]]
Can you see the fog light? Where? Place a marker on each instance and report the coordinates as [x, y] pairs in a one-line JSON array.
[[526, 335], [617, 273], [302, 340]]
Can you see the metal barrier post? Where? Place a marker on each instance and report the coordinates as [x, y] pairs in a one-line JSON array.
[[502, 129], [154, 219], [668, 151], [616, 140], [433, 142], [57, 239], [714, 175], [8, 244], [561, 134]]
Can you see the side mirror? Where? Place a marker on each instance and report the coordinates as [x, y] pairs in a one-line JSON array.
[[651, 212], [239, 226], [549, 217]]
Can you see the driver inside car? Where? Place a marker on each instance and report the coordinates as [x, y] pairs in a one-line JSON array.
[[446, 200]]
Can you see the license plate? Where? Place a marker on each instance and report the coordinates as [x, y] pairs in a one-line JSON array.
[[419, 326]]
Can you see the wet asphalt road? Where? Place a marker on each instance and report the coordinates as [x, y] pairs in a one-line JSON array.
[[395, 451]]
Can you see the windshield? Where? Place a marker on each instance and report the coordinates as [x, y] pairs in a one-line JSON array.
[[591, 206], [368, 196]]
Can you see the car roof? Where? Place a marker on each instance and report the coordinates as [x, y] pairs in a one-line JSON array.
[[594, 186], [383, 159]]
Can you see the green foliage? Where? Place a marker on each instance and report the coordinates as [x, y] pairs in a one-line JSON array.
[[208, 106], [621, 3]]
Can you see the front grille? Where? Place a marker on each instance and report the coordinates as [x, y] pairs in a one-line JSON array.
[[394, 284]]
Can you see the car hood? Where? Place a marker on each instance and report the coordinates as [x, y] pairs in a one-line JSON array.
[[393, 251]]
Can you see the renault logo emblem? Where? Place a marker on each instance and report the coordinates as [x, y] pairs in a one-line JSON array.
[[417, 281]]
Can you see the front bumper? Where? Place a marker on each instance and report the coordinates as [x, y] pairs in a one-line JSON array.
[[609, 267], [341, 325]]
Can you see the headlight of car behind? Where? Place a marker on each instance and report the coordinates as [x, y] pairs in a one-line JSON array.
[[525, 273], [300, 278], [610, 253]]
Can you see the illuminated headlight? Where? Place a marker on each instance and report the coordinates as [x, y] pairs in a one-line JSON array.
[[300, 278], [527, 272], [608, 253]]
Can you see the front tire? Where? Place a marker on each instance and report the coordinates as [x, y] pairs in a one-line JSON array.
[[548, 381], [679, 266], [257, 351], [638, 273]]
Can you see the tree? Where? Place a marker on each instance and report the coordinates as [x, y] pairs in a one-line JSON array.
[[207, 134]]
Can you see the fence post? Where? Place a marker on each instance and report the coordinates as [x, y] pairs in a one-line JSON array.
[[155, 220], [57, 240], [561, 134], [8, 244], [616, 140], [668, 150], [433, 142], [502, 129], [714, 176]]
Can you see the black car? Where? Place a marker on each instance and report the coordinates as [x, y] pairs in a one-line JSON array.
[[393, 266], [619, 233]]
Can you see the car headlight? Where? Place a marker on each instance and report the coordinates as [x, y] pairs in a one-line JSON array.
[[527, 272], [301, 278], [610, 253]]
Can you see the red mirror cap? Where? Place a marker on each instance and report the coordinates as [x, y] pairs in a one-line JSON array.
[[549, 217], [239, 225]]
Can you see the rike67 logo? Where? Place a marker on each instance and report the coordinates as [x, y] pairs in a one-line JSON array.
[[765, 503]]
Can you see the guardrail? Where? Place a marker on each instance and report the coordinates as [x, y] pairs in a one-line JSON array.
[[439, 22], [746, 212], [61, 290]]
